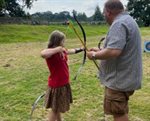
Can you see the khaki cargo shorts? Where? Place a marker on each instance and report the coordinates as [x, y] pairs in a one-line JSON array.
[[116, 102]]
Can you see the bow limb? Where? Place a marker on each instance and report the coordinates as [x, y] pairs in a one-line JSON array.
[[69, 23], [84, 44], [84, 58], [35, 104], [77, 34], [84, 35]]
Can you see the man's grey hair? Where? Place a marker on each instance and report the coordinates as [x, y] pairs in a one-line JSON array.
[[115, 6]]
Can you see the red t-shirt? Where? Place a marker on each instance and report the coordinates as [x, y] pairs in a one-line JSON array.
[[59, 71]]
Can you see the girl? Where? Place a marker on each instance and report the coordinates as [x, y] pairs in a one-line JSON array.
[[58, 96]]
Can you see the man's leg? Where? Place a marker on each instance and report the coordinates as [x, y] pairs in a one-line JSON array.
[[116, 104]]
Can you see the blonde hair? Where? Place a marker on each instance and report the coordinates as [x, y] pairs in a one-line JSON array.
[[56, 38]]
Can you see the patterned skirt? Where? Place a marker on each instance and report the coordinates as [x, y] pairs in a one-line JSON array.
[[59, 99]]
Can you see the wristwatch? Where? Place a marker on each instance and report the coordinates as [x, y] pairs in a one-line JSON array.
[[93, 55]]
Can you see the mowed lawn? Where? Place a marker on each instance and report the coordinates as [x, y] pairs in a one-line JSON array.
[[23, 75]]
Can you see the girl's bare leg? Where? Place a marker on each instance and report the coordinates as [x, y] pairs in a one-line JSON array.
[[59, 117], [52, 116]]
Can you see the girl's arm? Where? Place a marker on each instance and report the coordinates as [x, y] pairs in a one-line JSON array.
[[74, 51], [47, 53]]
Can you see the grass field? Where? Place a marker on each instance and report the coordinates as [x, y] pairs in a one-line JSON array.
[[23, 76], [27, 33]]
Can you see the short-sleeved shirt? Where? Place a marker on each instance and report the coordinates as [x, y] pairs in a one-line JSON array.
[[59, 71], [123, 73]]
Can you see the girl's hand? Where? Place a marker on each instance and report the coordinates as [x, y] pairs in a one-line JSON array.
[[82, 48], [95, 49], [60, 49]]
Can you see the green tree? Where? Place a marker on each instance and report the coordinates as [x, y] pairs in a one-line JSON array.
[[13, 8], [2, 5], [140, 10], [50, 17], [2, 2], [98, 15], [28, 3], [82, 17], [74, 12]]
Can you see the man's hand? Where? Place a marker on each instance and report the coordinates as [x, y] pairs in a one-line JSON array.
[[91, 55], [104, 54]]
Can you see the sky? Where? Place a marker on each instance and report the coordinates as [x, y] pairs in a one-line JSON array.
[[56, 6]]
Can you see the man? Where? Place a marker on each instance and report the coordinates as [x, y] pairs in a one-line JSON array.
[[121, 60]]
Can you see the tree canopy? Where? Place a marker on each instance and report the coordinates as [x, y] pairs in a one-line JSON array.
[[98, 15], [13, 8], [140, 10], [58, 17]]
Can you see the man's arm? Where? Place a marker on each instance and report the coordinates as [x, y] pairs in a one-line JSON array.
[[104, 54]]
